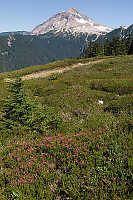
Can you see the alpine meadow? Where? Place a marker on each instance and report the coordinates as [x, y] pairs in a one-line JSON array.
[[66, 111]]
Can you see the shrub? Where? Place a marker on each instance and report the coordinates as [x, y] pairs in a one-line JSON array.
[[123, 103], [16, 108], [119, 87], [53, 77]]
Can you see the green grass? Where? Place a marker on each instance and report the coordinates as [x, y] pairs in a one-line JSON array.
[[90, 154], [80, 89], [50, 66]]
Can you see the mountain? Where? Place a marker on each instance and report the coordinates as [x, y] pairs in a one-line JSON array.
[[62, 36], [122, 32], [71, 21]]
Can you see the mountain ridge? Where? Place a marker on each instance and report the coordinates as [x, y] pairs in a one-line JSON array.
[[14, 33]]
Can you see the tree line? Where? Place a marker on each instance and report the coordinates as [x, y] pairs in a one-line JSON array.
[[117, 46]]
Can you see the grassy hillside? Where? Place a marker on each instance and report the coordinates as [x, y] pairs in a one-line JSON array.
[[89, 155], [50, 66]]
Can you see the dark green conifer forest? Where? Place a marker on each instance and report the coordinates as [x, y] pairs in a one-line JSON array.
[[115, 47]]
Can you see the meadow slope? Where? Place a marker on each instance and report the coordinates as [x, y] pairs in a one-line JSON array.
[[89, 154], [47, 73]]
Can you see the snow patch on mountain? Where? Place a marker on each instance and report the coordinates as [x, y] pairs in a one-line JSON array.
[[82, 21], [104, 29], [10, 40]]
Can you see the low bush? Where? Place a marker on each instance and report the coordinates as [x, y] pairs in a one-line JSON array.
[[119, 87], [53, 77], [124, 103]]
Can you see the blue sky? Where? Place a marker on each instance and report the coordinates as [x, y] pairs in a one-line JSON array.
[[27, 14]]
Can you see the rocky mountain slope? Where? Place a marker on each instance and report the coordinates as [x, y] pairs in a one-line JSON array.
[[71, 21]]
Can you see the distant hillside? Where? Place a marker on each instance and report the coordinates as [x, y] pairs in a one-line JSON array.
[[19, 51], [15, 33]]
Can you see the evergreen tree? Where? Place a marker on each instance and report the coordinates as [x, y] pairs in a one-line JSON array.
[[116, 43], [123, 49], [128, 42], [130, 51], [97, 49], [107, 48], [94, 49], [88, 52], [19, 112], [16, 108]]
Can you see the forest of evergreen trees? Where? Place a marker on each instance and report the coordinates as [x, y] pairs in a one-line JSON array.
[[117, 46]]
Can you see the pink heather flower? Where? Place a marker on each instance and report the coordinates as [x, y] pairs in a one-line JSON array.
[[69, 139], [18, 159], [47, 145], [113, 179], [31, 180], [61, 138], [9, 173], [41, 144], [66, 145], [77, 150], [20, 180], [107, 163], [84, 148], [30, 163], [13, 182], [48, 138]]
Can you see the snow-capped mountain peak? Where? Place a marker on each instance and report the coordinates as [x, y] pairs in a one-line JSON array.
[[71, 21], [73, 11]]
